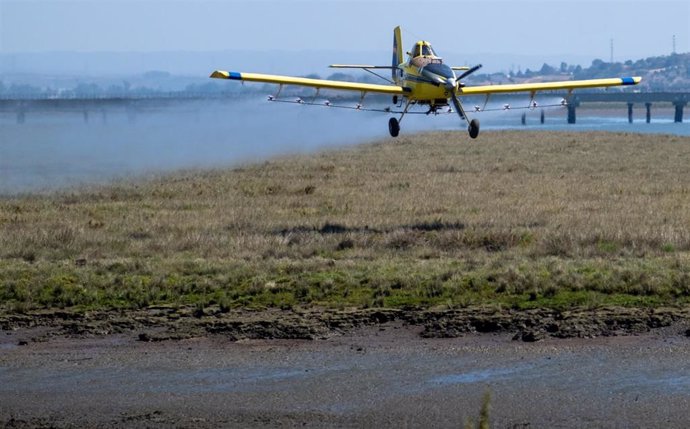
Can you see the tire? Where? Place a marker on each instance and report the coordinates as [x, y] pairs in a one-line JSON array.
[[473, 129], [393, 127]]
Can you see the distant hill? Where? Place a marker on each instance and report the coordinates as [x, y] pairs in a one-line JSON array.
[[662, 73]]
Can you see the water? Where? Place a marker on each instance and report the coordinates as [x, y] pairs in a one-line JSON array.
[[58, 150], [661, 125]]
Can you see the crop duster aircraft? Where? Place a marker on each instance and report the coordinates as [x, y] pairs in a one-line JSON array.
[[423, 79]]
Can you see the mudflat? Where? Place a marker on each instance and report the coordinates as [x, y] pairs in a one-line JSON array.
[[387, 375]]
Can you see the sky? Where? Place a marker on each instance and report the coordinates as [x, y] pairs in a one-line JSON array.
[[576, 31]]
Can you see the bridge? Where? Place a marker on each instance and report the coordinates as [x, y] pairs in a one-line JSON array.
[[132, 104], [678, 99]]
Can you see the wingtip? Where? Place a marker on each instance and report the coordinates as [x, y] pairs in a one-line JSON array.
[[631, 80], [220, 74]]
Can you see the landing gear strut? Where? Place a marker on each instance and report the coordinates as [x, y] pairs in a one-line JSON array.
[[473, 128], [393, 127]]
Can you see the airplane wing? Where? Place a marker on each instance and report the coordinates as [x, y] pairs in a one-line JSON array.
[[548, 86], [358, 66], [316, 83]]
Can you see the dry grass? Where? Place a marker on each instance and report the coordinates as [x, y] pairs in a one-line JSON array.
[[520, 215]]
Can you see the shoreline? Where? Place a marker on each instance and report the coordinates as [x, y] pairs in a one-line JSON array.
[[165, 323]]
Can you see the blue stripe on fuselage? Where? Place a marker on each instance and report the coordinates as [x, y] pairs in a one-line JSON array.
[[628, 81], [235, 76]]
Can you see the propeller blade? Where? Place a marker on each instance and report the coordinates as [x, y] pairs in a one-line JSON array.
[[473, 125], [458, 106], [470, 71]]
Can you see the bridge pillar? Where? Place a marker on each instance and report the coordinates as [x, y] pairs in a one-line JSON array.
[[86, 116], [523, 120], [649, 111], [21, 117], [573, 103], [104, 116], [571, 113], [679, 105], [541, 117], [630, 113]]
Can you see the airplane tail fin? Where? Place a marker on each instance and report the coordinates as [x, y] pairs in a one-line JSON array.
[[397, 53]]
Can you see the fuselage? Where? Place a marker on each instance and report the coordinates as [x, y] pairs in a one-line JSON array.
[[430, 81]]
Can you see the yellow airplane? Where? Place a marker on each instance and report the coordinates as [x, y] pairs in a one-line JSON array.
[[424, 79]]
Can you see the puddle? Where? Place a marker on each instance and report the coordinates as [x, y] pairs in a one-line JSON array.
[[489, 374], [666, 382]]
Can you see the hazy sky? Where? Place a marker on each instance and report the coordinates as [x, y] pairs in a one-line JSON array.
[[554, 27]]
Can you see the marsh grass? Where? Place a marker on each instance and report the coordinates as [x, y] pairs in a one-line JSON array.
[[516, 218], [484, 417]]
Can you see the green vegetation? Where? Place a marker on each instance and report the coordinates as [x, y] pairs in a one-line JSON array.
[[516, 219], [483, 414]]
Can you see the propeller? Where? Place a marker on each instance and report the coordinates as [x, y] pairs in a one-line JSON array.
[[453, 85], [470, 71]]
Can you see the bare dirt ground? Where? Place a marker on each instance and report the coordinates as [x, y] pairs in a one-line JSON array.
[[377, 369], [160, 323]]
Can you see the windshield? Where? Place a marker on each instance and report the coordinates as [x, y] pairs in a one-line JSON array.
[[422, 49], [427, 50]]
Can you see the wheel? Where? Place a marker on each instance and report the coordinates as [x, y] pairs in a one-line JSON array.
[[395, 99], [393, 127], [473, 128]]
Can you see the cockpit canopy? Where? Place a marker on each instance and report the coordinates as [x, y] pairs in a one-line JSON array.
[[423, 54], [422, 49]]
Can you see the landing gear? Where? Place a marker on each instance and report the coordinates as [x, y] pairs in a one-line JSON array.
[[393, 127], [473, 129], [394, 124]]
